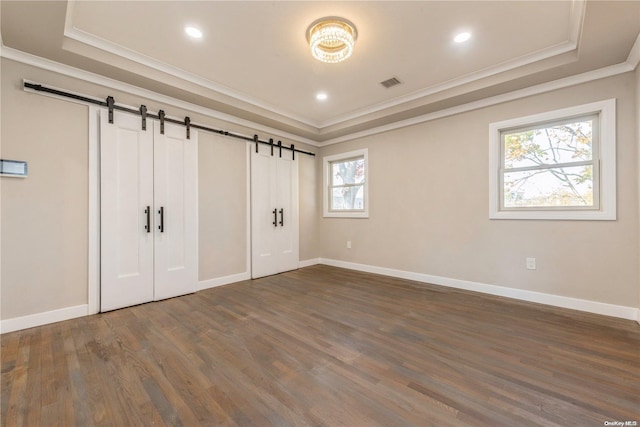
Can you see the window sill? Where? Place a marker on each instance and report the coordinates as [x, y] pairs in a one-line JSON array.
[[346, 215], [576, 215]]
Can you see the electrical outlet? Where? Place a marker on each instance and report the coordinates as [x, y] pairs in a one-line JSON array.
[[348, 244], [531, 263]]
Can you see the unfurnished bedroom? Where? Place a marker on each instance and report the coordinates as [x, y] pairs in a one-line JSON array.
[[318, 213]]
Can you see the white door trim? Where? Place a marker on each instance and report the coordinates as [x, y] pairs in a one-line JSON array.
[[248, 204], [93, 279]]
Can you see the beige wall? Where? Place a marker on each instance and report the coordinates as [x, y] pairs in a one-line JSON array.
[[429, 210], [429, 202], [638, 164], [309, 210], [222, 206], [45, 217]]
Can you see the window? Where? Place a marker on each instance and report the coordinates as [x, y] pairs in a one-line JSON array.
[[346, 190], [551, 165], [555, 165]]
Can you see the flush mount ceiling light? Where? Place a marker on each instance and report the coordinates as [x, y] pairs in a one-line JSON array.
[[331, 39]]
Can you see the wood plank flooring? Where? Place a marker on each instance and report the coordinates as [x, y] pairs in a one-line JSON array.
[[324, 346]]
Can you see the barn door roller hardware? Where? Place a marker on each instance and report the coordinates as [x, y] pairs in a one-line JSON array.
[[144, 113], [110, 103], [187, 124], [161, 117]]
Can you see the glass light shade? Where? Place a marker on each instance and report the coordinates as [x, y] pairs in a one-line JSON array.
[[331, 39]]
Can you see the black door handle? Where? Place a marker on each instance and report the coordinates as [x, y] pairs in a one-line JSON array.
[[275, 217], [148, 213], [161, 226], [282, 217]]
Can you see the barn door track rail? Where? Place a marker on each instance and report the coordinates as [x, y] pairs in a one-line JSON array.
[[161, 116]]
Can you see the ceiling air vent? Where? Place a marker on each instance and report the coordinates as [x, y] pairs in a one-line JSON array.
[[390, 82]]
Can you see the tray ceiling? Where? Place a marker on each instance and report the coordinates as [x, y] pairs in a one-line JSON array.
[[254, 62]]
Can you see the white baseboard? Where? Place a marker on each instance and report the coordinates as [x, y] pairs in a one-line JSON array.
[[623, 312], [620, 311], [220, 281], [39, 319], [308, 262]]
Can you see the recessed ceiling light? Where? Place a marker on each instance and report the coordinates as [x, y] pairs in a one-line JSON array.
[[321, 96], [193, 32], [462, 37]]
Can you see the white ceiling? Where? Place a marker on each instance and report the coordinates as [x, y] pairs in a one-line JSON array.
[[254, 61]]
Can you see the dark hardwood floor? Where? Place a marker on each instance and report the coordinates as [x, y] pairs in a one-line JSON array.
[[324, 346]]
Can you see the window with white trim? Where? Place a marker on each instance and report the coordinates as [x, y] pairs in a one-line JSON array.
[[345, 190], [555, 165]]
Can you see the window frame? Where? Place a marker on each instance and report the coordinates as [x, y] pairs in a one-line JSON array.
[[327, 161], [603, 159]]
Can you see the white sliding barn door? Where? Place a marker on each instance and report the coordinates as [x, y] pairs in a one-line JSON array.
[[263, 214], [126, 188], [176, 195], [149, 211], [274, 211], [286, 189]]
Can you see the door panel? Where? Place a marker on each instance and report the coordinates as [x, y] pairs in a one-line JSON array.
[[176, 192], [274, 186], [262, 216], [126, 161], [286, 199]]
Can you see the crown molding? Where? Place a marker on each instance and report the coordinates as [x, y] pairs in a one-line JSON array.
[[577, 79], [146, 61], [576, 20], [78, 35], [66, 70], [457, 82], [630, 64], [36, 61], [634, 54]]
